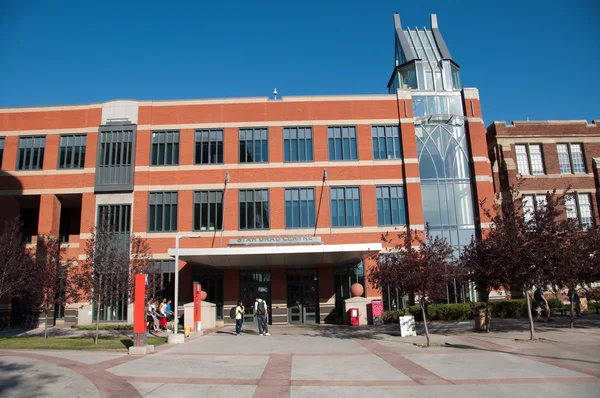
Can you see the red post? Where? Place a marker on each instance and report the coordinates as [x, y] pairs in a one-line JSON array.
[[139, 311], [197, 306]]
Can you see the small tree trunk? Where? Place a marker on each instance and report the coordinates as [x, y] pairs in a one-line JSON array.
[[531, 329], [487, 312], [572, 309], [46, 323], [98, 310], [425, 323]]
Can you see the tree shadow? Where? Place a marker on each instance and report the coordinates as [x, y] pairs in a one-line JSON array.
[[14, 383]]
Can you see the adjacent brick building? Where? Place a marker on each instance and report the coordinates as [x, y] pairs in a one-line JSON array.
[[288, 197], [548, 155]]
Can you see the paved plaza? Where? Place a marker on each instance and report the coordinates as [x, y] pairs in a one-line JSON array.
[[325, 361]]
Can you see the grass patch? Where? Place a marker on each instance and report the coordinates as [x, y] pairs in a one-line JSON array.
[[74, 343]]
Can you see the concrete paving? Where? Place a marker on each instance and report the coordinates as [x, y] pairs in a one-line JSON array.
[[327, 361]]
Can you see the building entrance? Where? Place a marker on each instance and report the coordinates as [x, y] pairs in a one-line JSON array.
[[302, 296], [253, 285]]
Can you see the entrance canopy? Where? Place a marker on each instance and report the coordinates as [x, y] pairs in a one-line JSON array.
[[273, 256]]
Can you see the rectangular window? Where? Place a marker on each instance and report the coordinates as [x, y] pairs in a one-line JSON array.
[[117, 217], [300, 208], [570, 158], [208, 210], [162, 212], [254, 209], [1, 151], [529, 159], [531, 203], [165, 148], [579, 209], [297, 144], [31, 153], [254, 145], [391, 208], [71, 152], [386, 142], [342, 143], [209, 147], [345, 207], [116, 148]]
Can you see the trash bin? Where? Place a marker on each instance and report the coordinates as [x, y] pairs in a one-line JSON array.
[[480, 319], [186, 331], [353, 316]]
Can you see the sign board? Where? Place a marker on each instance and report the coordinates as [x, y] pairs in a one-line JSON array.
[[276, 240], [407, 326], [377, 310]]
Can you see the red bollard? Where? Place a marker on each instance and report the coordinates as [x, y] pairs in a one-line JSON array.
[[197, 307]]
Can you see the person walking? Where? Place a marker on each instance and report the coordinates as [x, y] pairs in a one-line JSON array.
[[574, 298], [261, 312], [239, 317]]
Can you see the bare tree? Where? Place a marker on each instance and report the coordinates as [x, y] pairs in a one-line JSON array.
[[51, 266], [105, 277], [421, 265], [16, 265]]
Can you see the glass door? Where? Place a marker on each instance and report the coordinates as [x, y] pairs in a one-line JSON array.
[[294, 302], [253, 285]]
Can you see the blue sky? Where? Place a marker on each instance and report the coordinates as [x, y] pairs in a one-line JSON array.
[[535, 59]]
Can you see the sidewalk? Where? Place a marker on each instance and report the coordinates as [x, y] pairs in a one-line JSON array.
[[328, 361]]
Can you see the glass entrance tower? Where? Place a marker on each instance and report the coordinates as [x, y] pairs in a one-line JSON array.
[[424, 66]]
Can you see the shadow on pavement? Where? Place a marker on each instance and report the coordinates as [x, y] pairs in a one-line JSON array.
[[12, 379]]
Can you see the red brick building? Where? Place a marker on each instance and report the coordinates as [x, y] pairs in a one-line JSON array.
[[548, 155], [287, 197]]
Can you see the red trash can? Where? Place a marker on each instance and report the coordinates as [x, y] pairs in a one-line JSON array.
[[353, 316]]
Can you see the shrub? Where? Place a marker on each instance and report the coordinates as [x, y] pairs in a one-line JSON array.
[[105, 326], [510, 308], [392, 316], [555, 303]]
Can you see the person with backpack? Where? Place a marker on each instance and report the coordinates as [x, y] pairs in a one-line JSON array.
[[261, 312]]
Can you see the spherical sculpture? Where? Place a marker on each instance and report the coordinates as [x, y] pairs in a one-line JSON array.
[[357, 290], [203, 295]]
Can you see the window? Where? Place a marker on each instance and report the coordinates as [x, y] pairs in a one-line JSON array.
[[345, 207], [342, 143], [570, 158], [165, 148], [300, 208], [116, 148], [579, 209], [115, 158], [532, 203], [71, 152], [209, 147], [1, 150], [162, 211], [391, 208], [208, 210], [297, 144], [117, 217], [386, 142], [254, 209], [254, 145], [31, 153], [529, 159]]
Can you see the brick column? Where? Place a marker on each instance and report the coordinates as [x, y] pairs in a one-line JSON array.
[[231, 293], [49, 219], [278, 296], [482, 168], [326, 295]]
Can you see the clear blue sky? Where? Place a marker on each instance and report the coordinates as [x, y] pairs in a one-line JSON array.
[[536, 59]]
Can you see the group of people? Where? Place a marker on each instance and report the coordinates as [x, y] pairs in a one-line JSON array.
[[261, 312], [538, 296], [158, 318]]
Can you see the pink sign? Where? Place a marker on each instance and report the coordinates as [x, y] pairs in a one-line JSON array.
[[377, 308]]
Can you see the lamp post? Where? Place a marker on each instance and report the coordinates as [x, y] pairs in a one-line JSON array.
[[176, 300]]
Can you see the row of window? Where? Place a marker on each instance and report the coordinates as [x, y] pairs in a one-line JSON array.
[[254, 208], [578, 207], [530, 160], [208, 147]]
